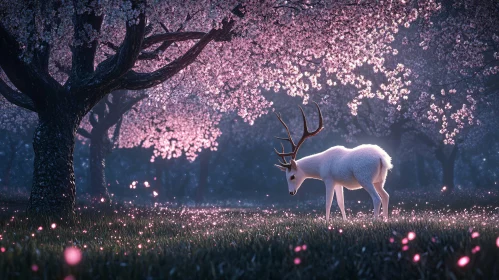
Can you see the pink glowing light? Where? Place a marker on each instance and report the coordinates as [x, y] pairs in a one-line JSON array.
[[497, 242], [34, 267], [475, 249], [416, 258], [297, 261], [40, 228], [53, 226], [69, 277], [304, 247], [72, 255], [405, 248], [405, 241], [297, 249], [392, 239], [475, 234], [2, 249], [411, 235], [463, 261]]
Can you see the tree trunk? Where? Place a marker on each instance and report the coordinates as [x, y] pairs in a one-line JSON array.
[[422, 176], [53, 191], [447, 162], [204, 162], [98, 151]]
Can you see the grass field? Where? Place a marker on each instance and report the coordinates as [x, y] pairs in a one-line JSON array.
[[262, 242]]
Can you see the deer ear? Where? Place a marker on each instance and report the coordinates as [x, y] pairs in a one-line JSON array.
[[280, 167], [293, 165]]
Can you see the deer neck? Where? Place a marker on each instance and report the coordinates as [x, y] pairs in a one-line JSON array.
[[311, 166]]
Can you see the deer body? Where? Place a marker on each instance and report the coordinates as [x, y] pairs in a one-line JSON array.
[[364, 166]]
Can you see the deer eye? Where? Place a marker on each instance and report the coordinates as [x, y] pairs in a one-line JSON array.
[[292, 177]]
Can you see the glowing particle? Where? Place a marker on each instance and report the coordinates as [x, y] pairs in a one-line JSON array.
[[405, 248], [411, 235], [392, 239], [297, 248], [497, 242], [102, 200], [297, 261], [72, 255], [154, 193], [416, 258], [304, 247], [140, 246], [40, 228], [341, 231], [475, 234], [69, 277], [146, 184], [34, 267], [475, 249], [405, 241], [2, 249], [444, 188], [463, 261], [53, 226]]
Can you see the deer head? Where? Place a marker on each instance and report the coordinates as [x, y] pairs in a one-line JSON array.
[[294, 175]]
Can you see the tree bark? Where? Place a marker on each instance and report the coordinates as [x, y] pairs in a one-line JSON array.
[[447, 162], [99, 149], [53, 191], [204, 162]]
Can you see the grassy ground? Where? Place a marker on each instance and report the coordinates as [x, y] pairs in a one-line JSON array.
[[262, 243]]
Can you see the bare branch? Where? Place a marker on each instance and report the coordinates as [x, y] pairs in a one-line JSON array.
[[15, 97], [135, 81], [25, 77], [83, 132]]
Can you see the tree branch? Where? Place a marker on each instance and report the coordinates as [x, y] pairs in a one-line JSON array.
[[84, 51], [171, 37], [119, 109], [83, 132], [117, 65], [25, 77], [136, 81], [15, 97]]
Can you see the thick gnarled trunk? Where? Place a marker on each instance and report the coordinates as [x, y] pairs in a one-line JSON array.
[[53, 191], [99, 149]]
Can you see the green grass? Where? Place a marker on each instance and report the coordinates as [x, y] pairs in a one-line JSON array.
[[259, 243]]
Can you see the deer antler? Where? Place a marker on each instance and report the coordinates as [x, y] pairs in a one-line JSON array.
[[306, 134]]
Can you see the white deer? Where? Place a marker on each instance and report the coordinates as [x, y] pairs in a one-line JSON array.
[[364, 166]]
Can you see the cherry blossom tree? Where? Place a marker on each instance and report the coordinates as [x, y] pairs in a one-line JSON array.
[[235, 48], [101, 128]]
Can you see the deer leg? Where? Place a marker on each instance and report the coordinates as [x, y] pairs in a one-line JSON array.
[[329, 198], [341, 201], [385, 198], [369, 187]]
